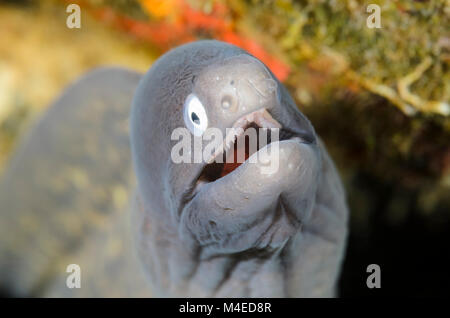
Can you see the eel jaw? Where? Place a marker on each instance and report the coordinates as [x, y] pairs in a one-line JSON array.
[[213, 170]]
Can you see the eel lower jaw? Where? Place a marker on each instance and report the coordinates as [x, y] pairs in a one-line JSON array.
[[225, 161]]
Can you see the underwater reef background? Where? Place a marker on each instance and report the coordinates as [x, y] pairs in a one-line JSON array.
[[379, 98]]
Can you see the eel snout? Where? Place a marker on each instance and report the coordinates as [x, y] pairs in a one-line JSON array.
[[253, 139], [256, 203]]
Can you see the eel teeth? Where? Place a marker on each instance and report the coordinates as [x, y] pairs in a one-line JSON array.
[[261, 117]]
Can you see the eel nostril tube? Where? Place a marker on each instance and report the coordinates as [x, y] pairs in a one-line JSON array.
[[226, 102]]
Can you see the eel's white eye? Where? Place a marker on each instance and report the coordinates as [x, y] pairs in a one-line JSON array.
[[194, 115]]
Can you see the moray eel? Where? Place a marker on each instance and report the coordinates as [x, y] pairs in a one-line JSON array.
[[191, 228]]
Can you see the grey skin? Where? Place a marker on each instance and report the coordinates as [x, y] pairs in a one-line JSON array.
[[64, 196], [244, 234]]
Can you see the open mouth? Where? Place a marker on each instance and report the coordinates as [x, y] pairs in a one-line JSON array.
[[240, 143]]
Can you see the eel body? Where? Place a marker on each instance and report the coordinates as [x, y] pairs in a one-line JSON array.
[[105, 180]]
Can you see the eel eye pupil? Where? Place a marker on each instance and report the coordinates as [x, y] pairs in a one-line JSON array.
[[194, 115], [195, 118]]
